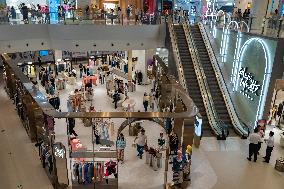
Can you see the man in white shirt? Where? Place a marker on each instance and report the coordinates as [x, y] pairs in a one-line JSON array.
[[270, 145], [254, 139], [141, 140]]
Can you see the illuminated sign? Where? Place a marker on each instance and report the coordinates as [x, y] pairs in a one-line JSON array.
[[249, 85], [59, 150], [267, 72]]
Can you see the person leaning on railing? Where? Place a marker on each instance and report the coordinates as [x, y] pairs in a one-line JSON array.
[[281, 21], [274, 19]]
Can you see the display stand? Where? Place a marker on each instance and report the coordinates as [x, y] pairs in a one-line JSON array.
[[105, 169], [154, 159], [131, 86], [279, 165], [60, 84]]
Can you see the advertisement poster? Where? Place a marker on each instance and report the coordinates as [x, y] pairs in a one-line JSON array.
[[53, 10]]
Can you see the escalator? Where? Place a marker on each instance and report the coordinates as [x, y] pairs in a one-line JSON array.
[[191, 78], [218, 100]]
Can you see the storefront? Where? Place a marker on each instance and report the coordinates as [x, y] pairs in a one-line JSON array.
[[247, 63], [123, 4], [39, 127], [191, 8], [241, 6], [16, 3], [166, 6]]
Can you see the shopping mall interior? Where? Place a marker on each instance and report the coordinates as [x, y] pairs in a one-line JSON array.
[[144, 94]]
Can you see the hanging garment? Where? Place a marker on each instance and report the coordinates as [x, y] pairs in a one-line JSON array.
[[69, 106], [51, 90], [86, 167], [80, 173], [49, 122], [55, 102], [90, 172], [104, 131], [101, 171], [110, 168], [83, 173], [50, 164]]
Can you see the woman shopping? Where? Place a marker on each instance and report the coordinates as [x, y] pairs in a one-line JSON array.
[[120, 146], [146, 99]]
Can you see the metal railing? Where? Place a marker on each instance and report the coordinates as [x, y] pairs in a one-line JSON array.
[[79, 19], [211, 112], [266, 26], [238, 126]]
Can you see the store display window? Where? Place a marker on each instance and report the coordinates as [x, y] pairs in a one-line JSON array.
[[190, 8]]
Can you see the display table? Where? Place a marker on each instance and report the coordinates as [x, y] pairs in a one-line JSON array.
[[154, 161], [282, 140], [72, 80], [130, 102], [90, 79], [60, 84], [279, 165]]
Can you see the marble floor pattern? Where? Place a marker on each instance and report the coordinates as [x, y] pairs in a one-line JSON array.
[[216, 164]]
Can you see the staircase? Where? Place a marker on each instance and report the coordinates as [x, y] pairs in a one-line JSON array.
[[214, 88], [190, 77]]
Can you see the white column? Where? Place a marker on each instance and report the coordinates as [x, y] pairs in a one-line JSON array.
[[141, 64], [258, 11], [57, 54]]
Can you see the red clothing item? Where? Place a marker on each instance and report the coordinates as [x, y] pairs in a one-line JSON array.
[[110, 168]]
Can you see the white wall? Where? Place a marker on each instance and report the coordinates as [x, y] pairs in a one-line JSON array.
[[140, 65], [83, 3], [17, 2], [80, 37], [242, 4], [258, 11]]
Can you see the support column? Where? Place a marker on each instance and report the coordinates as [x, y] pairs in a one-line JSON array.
[[259, 11], [129, 55], [143, 56], [57, 55], [178, 127]]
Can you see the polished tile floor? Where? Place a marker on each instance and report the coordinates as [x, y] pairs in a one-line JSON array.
[[216, 164], [19, 162]]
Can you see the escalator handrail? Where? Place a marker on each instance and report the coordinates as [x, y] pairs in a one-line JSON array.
[[204, 88], [179, 63], [177, 55], [225, 92]]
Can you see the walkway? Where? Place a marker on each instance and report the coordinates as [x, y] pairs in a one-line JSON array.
[[19, 162]]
